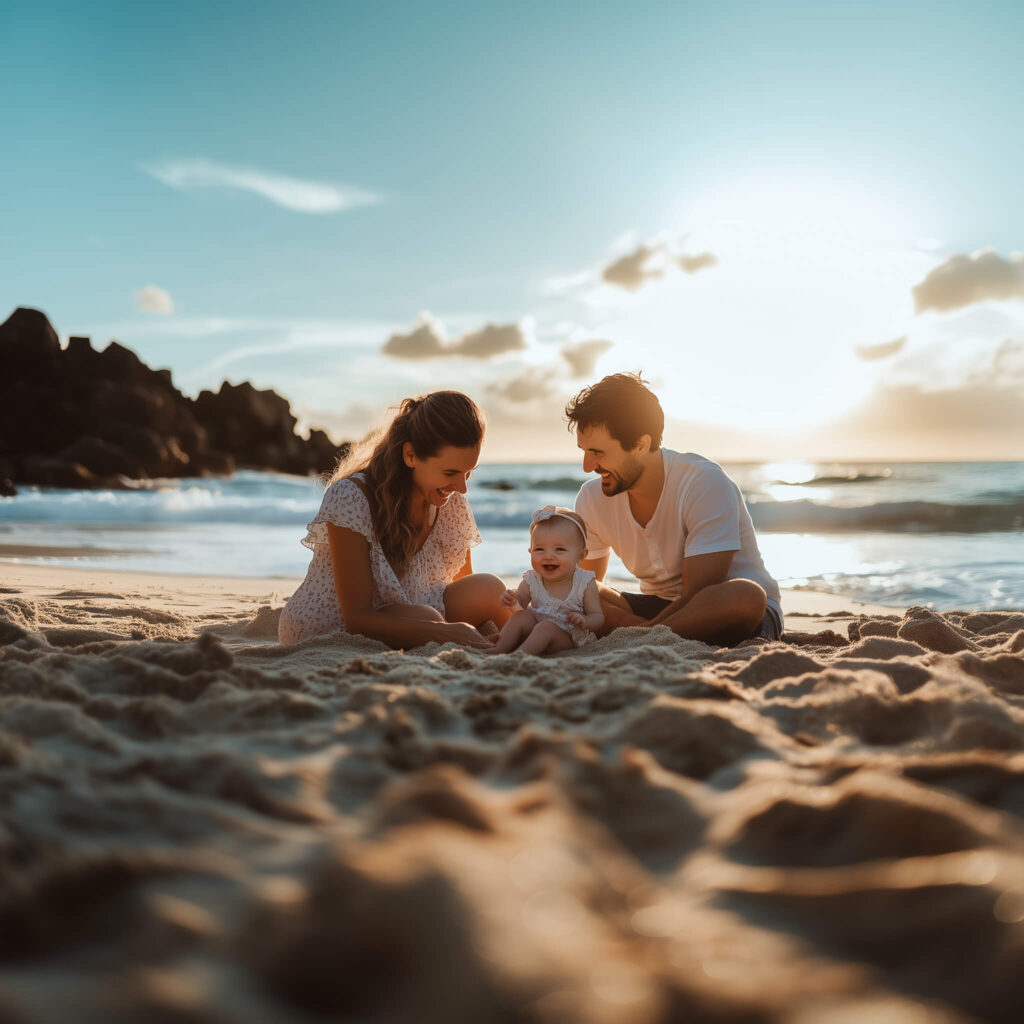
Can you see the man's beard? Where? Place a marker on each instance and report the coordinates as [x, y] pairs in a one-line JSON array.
[[631, 472]]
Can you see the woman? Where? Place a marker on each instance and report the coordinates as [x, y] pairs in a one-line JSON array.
[[391, 542]]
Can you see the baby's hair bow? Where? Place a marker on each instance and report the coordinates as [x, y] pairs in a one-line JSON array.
[[550, 512], [547, 512]]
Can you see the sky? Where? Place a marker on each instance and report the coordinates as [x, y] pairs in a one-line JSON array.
[[802, 222]]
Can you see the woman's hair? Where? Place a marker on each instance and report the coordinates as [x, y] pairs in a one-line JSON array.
[[624, 404], [429, 423]]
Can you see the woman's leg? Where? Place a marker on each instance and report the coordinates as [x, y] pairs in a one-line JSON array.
[[546, 638], [519, 626], [413, 611], [475, 599]]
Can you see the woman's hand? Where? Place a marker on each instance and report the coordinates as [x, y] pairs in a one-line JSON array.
[[465, 635]]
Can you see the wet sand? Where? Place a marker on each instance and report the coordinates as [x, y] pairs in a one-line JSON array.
[[198, 825]]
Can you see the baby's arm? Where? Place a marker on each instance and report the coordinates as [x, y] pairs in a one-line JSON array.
[[521, 596], [593, 617]]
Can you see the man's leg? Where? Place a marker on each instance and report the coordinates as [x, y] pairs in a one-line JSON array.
[[723, 614], [616, 611]]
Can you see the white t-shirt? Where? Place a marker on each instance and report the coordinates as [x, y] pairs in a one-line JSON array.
[[701, 510]]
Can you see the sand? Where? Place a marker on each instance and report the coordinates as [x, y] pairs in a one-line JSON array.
[[198, 825]]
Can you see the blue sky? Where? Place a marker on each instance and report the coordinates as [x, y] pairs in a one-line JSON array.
[[740, 199]]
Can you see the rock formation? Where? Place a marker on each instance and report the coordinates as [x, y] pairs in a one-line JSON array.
[[77, 417]]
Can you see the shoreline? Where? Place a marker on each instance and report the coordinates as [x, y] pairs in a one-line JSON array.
[[805, 611]]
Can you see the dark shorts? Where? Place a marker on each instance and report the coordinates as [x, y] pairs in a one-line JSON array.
[[647, 606]]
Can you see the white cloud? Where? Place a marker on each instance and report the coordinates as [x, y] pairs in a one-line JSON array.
[[152, 299], [693, 264], [491, 340], [351, 423], [883, 350], [632, 271], [974, 420], [1005, 367], [646, 262], [534, 384], [427, 341], [583, 356], [962, 280], [291, 193]]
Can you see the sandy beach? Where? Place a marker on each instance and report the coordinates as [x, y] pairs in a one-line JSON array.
[[200, 825]]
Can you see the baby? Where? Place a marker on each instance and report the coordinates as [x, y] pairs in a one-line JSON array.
[[559, 607]]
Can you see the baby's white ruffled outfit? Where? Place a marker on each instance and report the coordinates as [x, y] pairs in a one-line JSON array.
[[553, 609], [313, 608]]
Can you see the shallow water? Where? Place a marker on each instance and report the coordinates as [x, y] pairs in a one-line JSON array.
[[946, 535]]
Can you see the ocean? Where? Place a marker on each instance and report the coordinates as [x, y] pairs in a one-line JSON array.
[[949, 535]]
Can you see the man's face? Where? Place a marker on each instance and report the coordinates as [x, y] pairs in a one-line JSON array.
[[620, 469]]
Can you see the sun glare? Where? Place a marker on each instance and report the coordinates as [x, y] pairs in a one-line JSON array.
[[809, 269]]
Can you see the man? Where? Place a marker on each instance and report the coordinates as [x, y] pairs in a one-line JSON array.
[[678, 523]]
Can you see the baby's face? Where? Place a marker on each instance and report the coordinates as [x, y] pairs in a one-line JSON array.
[[556, 546]]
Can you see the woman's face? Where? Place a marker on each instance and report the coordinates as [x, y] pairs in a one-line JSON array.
[[441, 474]]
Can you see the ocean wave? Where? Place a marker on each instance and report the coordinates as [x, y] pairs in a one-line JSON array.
[[831, 480], [186, 505], [889, 517], [558, 483]]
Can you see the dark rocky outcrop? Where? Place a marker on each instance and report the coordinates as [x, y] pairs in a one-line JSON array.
[[78, 417]]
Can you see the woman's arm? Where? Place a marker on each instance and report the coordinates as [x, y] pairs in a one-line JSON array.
[[353, 584], [467, 568]]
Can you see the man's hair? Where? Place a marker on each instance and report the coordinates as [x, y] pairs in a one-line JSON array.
[[624, 404]]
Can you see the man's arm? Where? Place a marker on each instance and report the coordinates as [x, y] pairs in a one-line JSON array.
[[598, 566], [699, 571]]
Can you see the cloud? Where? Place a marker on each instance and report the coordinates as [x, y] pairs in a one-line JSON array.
[[975, 420], [352, 423], [583, 356], [883, 350], [1008, 360], [427, 341], [631, 271], [490, 341], [692, 264], [291, 193], [152, 299], [648, 261], [962, 280], [1004, 369], [533, 384]]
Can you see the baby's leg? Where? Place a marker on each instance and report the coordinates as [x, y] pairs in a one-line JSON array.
[[546, 638], [520, 625]]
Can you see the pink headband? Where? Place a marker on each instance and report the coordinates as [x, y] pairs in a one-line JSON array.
[[549, 512]]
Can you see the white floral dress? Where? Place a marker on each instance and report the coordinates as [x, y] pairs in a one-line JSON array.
[[313, 608], [553, 609]]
